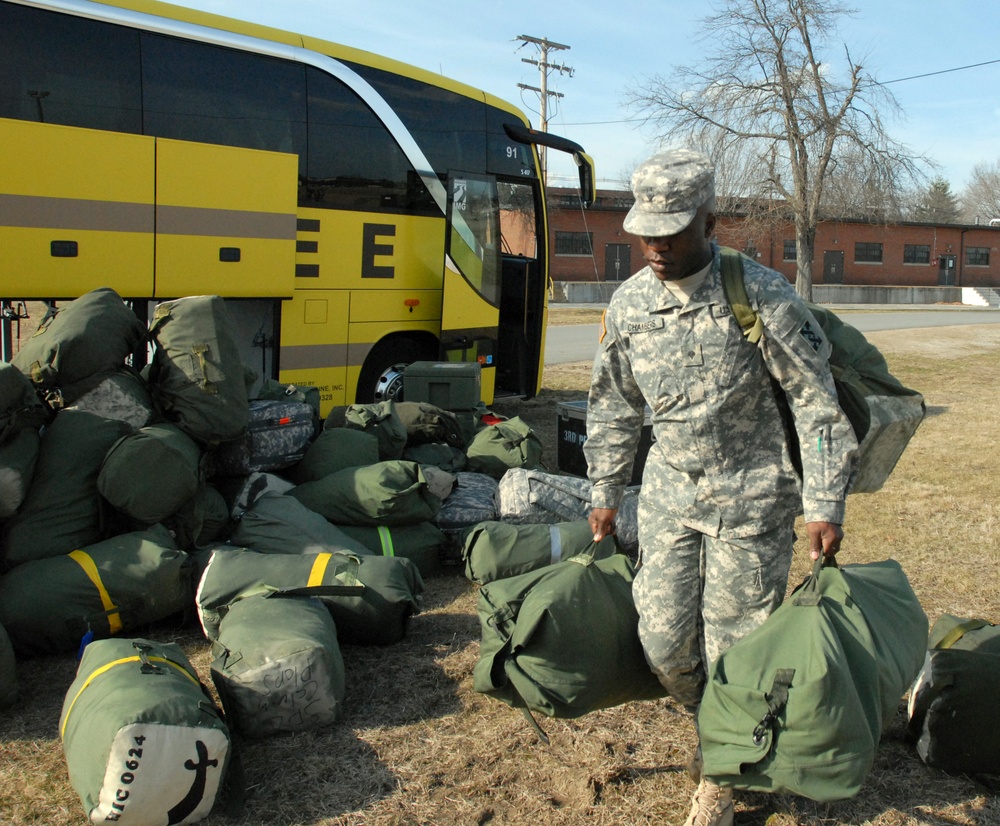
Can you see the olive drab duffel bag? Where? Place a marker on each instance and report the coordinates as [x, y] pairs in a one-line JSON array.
[[8, 671], [173, 460], [390, 493], [507, 444], [144, 742], [62, 510], [495, 550], [49, 606], [278, 665], [78, 344], [332, 450], [954, 719], [423, 544], [371, 598], [563, 640], [799, 704], [281, 524], [196, 377], [883, 413], [380, 419]]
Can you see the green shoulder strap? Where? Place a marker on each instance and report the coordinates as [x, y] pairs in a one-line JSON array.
[[736, 294]]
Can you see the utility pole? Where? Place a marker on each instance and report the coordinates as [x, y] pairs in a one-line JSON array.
[[544, 46]]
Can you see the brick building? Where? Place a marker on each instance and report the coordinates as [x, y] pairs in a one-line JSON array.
[[847, 252]]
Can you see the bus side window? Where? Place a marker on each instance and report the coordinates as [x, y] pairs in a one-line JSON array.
[[55, 68], [199, 92], [354, 162]]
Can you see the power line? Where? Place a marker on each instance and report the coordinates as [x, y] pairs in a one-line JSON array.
[[544, 46], [881, 83]]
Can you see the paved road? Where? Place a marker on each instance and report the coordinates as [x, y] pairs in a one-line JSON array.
[[578, 342]]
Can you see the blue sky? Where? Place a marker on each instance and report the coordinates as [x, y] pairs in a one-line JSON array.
[[952, 117]]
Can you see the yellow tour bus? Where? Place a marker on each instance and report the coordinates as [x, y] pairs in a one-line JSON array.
[[356, 213]]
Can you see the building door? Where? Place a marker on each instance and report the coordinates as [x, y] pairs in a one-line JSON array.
[[833, 266], [946, 270], [617, 262]]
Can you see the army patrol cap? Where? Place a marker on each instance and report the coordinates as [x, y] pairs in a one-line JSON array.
[[669, 187]]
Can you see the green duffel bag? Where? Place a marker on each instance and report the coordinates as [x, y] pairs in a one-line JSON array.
[[62, 509], [388, 493], [78, 344], [799, 704], [495, 550], [20, 407], [371, 598], [507, 444], [103, 590], [446, 457], [144, 743], [333, 450], [196, 376], [427, 423], [150, 474], [201, 522], [563, 640], [8, 671], [281, 524], [18, 455], [423, 544], [380, 419], [278, 665], [953, 720], [122, 395]]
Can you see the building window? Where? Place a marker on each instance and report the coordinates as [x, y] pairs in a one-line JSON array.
[[978, 256], [574, 243], [790, 253], [867, 252], [916, 254]]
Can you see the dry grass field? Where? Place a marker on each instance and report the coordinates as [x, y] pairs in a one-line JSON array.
[[417, 745]]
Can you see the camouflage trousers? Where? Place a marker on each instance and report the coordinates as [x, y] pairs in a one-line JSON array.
[[696, 595]]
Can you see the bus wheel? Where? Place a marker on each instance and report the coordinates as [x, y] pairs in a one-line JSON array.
[[382, 373]]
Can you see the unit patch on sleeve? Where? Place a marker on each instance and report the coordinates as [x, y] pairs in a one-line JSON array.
[[809, 334]]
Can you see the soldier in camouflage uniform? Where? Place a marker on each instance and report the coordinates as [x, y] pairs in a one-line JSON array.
[[720, 492]]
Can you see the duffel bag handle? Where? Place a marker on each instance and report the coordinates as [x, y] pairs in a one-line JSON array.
[[808, 593]]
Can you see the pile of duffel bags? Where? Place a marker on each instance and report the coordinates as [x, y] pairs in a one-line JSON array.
[[128, 498]]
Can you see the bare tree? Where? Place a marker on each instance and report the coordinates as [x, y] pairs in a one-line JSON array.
[[767, 107], [981, 198]]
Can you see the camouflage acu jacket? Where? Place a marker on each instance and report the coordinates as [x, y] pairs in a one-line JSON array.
[[720, 462]]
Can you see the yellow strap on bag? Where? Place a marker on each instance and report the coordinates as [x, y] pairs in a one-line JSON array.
[[318, 570], [83, 559]]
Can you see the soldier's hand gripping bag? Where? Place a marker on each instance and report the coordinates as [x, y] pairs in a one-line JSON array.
[[144, 743], [953, 718], [278, 665], [799, 704], [563, 640], [196, 376], [495, 550], [78, 344]]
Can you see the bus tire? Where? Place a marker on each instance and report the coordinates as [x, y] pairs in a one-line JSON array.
[[382, 373]]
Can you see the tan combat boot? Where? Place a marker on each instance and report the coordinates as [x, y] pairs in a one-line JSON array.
[[711, 806]]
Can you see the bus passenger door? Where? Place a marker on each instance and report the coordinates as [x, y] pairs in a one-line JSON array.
[[470, 311]]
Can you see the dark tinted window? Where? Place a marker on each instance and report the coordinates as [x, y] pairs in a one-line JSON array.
[[354, 163], [67, 70], [506, 156], [196, 92], [449, 128]]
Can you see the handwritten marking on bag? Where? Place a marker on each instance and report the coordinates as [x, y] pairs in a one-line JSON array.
[[127, 778]]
